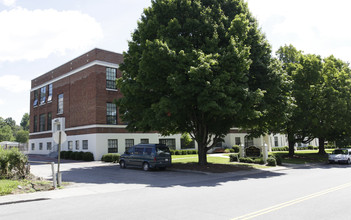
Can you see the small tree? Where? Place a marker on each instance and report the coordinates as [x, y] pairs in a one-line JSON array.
[[22, 136]]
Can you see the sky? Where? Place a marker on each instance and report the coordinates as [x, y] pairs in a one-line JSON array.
[[40, 35]]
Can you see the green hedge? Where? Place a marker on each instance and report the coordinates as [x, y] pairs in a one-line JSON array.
[[77, 155], [183, 152], [271, 162], [236, 148], [111, 157], [233, 157], [286, 148]]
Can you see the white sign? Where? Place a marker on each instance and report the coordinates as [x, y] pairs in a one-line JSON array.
[[56, 137]]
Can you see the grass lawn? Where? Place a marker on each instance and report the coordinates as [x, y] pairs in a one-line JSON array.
[[303, 156], [211, 158], [26, 186]]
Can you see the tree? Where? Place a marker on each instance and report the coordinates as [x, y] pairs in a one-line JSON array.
[[22, 136], [25, 122], [6, 133], [198, 67], [10, 122]]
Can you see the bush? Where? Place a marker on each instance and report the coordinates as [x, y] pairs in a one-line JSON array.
[[172, 151], [67, 155], [233, 157], [236, 148], [79, 155], [310, 147], [177, 152], [286, 148], [13, 164], [111, 157], [271, 162], [259, 161], [72, 156], [184, 152], [88, 156], [227, 150], [62, 154], [246, 160]]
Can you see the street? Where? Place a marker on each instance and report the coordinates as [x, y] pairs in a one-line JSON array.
[[104, 191]]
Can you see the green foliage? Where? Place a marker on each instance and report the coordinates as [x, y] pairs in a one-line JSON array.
[[227, 150], [22, 136], [286, 148], [277, 158], [213, 67], [67, 154], [13, 164], [25, 122], [6, 133], [246, 160], [234, 157], [111, 157], [271, 162], [63, 154], [258, 161], [88, 156], [236, 148]]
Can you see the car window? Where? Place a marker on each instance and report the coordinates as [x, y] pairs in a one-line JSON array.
[[162, 150], [139, 150], [339, 152], [148, 150], [130, 150]]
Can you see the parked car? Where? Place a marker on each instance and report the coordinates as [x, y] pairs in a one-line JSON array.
[[340, 156], [147, 156]]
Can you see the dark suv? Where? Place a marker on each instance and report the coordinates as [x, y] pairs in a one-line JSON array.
[[147, 156]]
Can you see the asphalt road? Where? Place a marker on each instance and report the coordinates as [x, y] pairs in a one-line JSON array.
[[106, 192]]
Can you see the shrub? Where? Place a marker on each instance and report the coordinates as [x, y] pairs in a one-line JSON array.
[[227, 150], [79, 155], [236, 148], [233, 157], [67, 155], [259, 161], [271, 162], [72, 156], [13, 164], [310, 147], [88, 156], [246, 160], [111, 157], [184, 152], [172, 151], [62, 154], [177, 152], [286, 148]]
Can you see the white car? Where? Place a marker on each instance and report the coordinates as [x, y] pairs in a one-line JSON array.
[[340, 156]]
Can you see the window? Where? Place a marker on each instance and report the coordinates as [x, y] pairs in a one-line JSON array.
[[237, 141], [70, 145], [248, 141], [111, 114], [77, 145], [276, 144], [50, 93], [60, 104], [35, 102], [112, 146], [33, 146], [85, 144], [139, 150], [129, 143], [48, 126], [42, 95], [40, 146], [35, 126], [144, 141], [42, 122], [48, 146], [111, 78], [169, 143]]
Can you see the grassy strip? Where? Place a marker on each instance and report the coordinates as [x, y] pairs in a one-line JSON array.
[[7, 186], [302, 157]]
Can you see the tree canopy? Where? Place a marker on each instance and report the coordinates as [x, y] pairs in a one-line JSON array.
[[199, 67]]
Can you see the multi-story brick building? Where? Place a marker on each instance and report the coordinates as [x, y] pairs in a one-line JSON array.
[[82, 92]]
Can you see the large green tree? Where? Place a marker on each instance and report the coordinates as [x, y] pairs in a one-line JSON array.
[[25, 122], [200, 67]]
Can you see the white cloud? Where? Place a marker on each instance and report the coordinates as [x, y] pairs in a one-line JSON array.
[[1, 101], [314, 26], [8, 2], [14, 84], [30, 35]]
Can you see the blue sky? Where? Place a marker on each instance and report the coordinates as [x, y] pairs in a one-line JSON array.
[[39, 35]]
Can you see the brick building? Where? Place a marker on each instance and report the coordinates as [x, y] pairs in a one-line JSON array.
[[82, 92]]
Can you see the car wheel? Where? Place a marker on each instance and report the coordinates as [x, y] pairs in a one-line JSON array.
[[146, 166], [348, 161], [122, 164]]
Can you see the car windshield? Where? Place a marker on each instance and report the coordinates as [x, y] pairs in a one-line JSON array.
[[339, 152], [162, 150]]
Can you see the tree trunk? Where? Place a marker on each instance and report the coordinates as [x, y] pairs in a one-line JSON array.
[[291, 142], [321, 145], [202, 154]]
